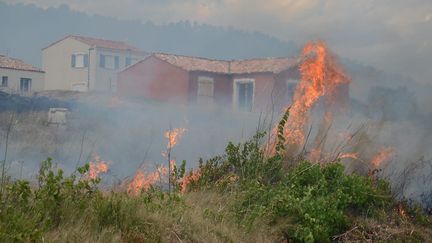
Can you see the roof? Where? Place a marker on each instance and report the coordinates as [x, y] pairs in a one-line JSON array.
[[194, 63], [17, 64], [260, 65], [96, 42]]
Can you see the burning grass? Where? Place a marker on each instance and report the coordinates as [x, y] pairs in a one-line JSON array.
[[241, 196], [284, 190]]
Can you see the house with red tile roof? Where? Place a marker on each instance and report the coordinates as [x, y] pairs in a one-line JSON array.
[[246, 85], [19, 77], [86, 63]]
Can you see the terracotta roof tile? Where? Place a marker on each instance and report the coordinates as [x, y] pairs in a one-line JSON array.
[[272, 65], [194, 63], [17, 64]]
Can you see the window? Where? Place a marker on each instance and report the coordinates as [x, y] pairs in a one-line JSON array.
[[205, 92], [244, 92], [4, 82], [79, 60], [109, 62], [25, 84]]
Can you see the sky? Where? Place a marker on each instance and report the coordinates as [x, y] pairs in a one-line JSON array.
[[394, 35]]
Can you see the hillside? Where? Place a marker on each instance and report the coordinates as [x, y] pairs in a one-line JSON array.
[[36, 29]]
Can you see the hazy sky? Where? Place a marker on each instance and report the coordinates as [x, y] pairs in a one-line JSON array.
[[395, 35]]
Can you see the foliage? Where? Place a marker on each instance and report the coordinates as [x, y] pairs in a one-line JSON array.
[[240, 196], [27, 213], [241, 164], [314, 200]]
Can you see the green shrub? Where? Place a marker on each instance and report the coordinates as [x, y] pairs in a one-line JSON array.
[[26, 213], [316, 199], [240, 164]]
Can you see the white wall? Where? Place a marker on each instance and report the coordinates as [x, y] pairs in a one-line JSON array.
[[56, 62], [14, 77], [60, 75]]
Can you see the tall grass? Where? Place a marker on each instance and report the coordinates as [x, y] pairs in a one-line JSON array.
[[241, 196]]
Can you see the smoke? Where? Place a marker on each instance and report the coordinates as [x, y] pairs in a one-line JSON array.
[[128, 135], [131, 133]]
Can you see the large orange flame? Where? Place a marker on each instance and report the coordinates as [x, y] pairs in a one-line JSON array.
[[321, 76], [383, 155], [96, 167]]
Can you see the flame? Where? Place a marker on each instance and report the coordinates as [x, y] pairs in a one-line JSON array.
[[173, 164], [349, 155], [141, 181], [320, 77], [187, 179], [173, 136], [401, 210], [96, 167], [383, 155]]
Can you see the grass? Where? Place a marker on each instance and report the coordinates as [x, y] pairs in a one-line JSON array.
[[240, 196]]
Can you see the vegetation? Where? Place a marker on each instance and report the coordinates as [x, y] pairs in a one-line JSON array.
[[241, 196]]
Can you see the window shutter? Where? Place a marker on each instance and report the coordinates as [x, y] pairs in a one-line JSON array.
[[86, 60], [73, 57], [102, 61], [116, 62]]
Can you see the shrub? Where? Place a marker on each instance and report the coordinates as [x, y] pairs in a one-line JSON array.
[[316, 198], [27, 213], [239, 165]]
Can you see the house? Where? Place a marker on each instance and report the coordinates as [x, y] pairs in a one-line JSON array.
[[19, 77], [248, 85], [86, 64]]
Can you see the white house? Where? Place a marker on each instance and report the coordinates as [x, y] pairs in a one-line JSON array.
[[85, 63], [19, 77]]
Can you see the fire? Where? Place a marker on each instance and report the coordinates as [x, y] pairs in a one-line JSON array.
[[187, 179], [320, 77], [173, 164], [401, 210], [96, 167], [141, 181], [173, 136], [349, 155], [383, 155]]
